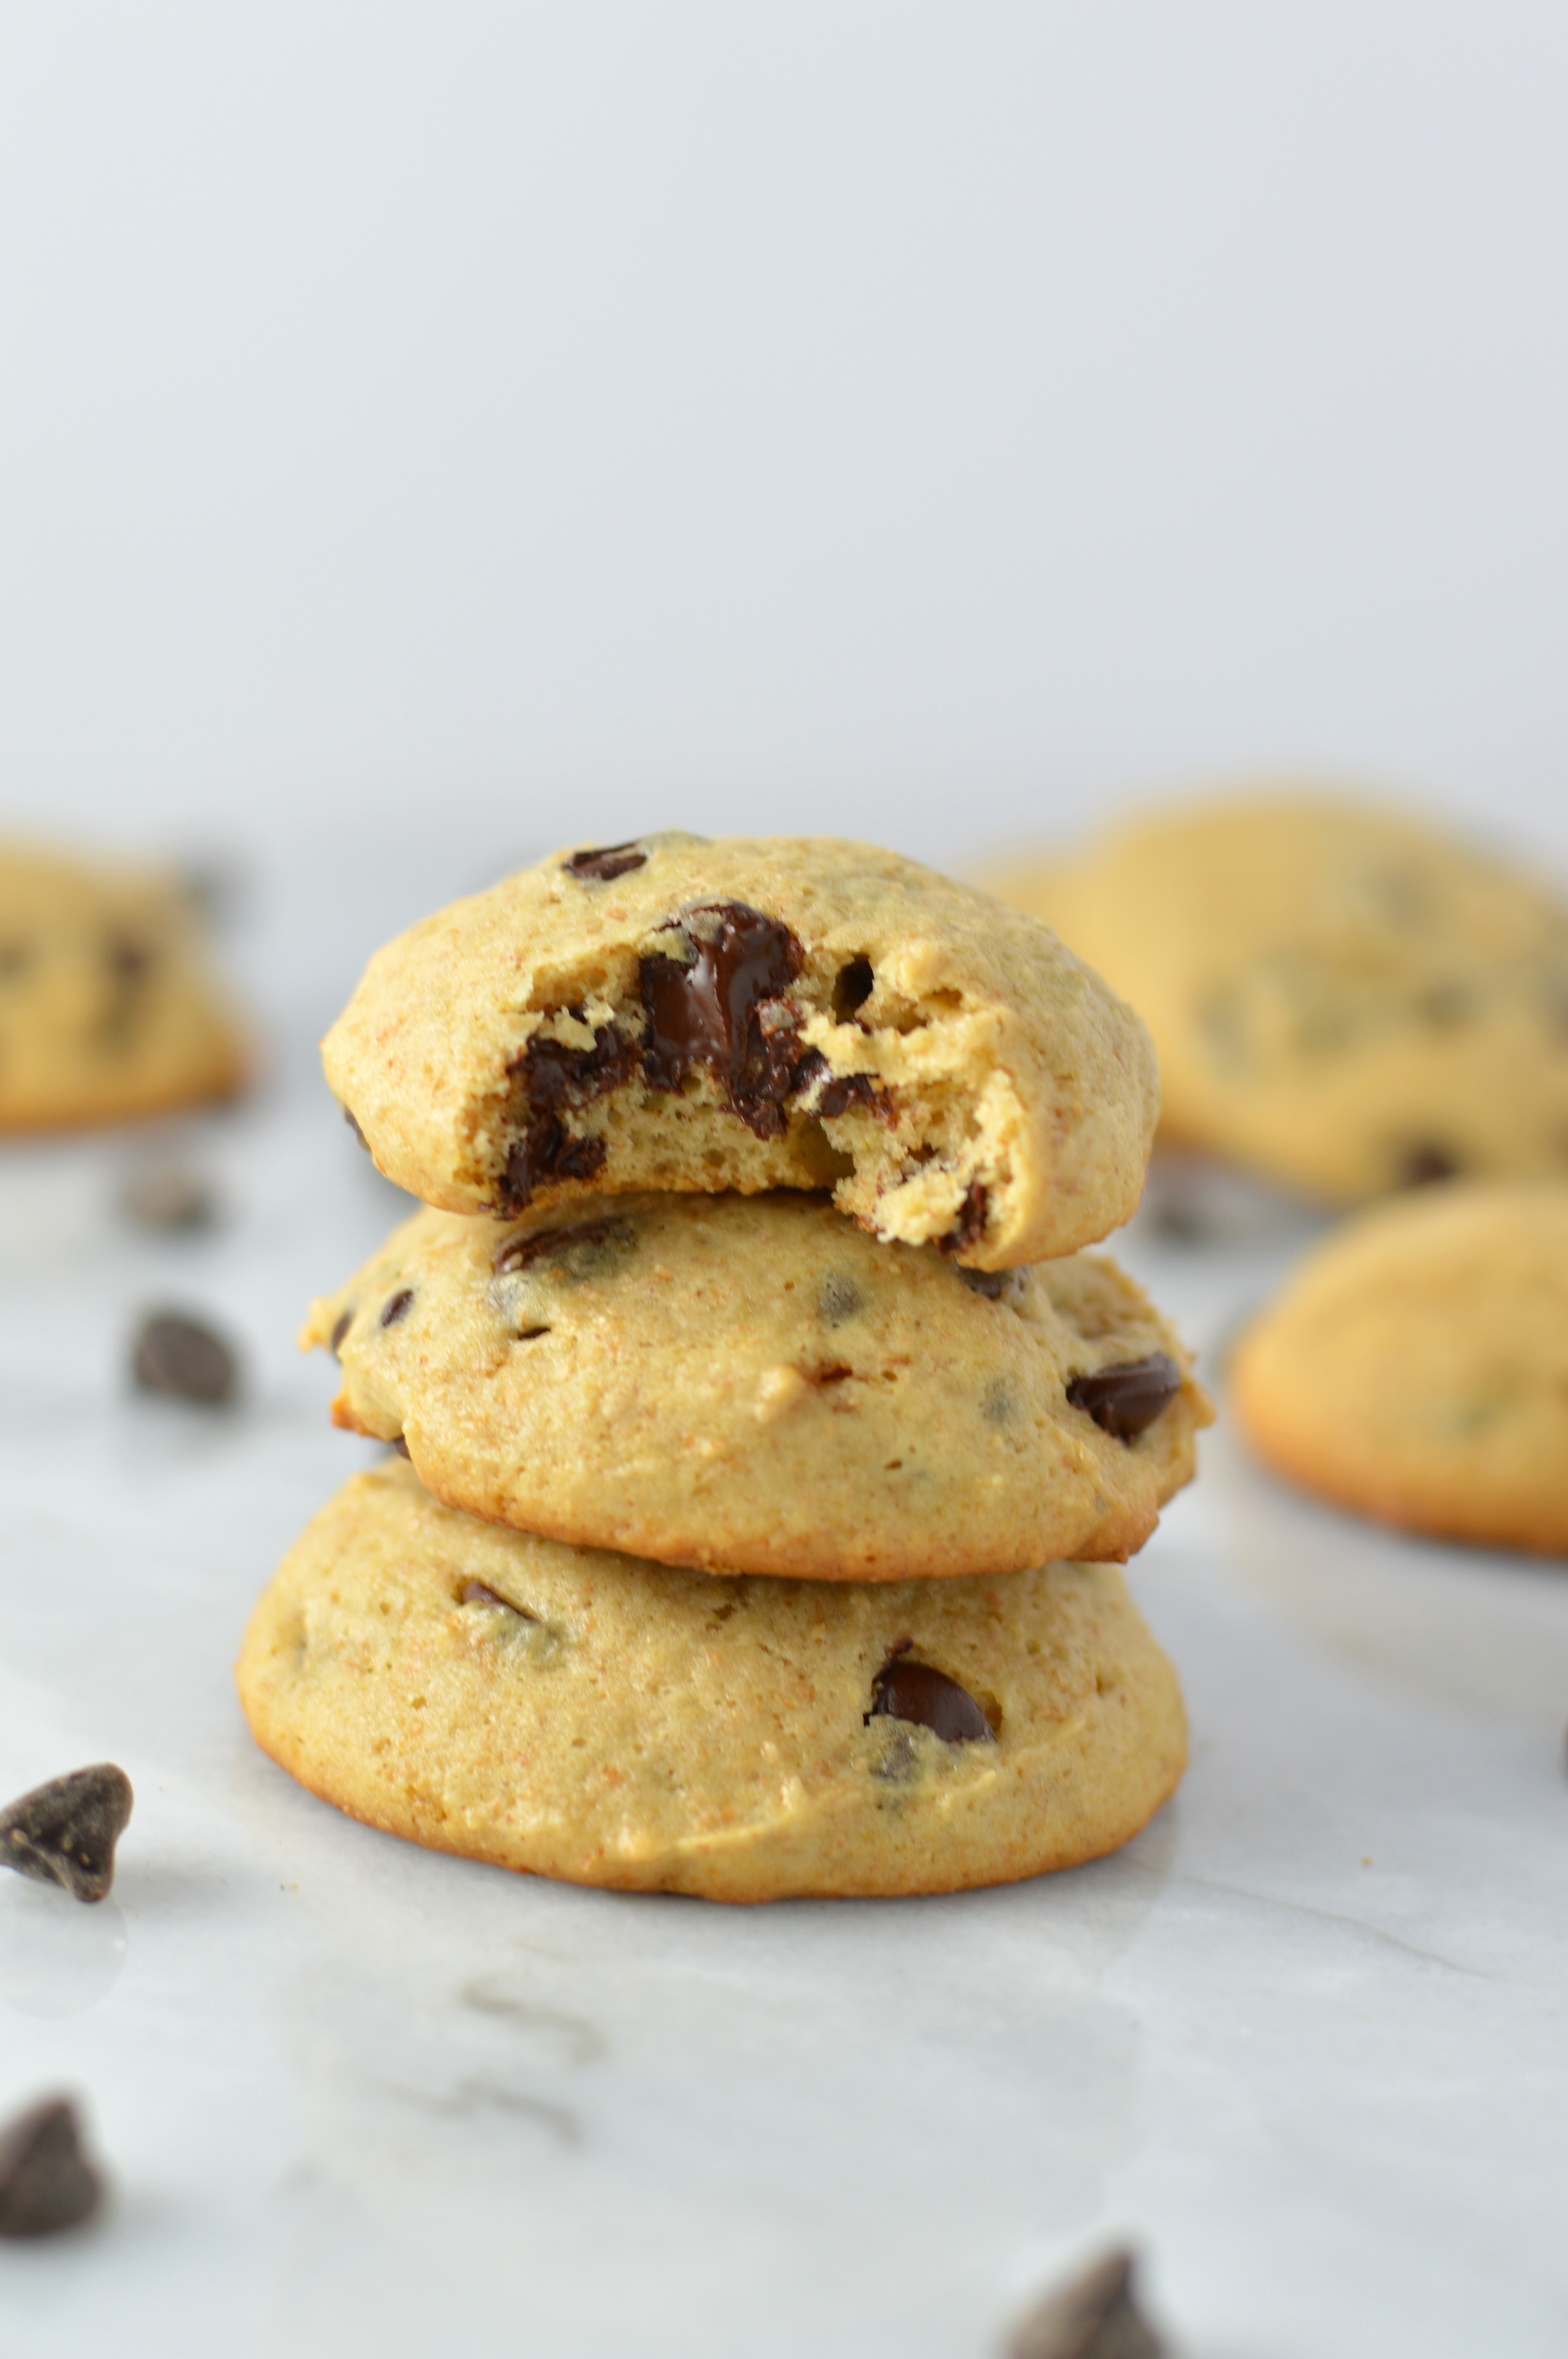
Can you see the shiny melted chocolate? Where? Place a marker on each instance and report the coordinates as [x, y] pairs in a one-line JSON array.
[[1123, 1400], [548, 1076], [726, 1009], [914, 1692]]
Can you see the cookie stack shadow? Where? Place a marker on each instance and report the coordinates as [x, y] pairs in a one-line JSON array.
[[737, 1546]]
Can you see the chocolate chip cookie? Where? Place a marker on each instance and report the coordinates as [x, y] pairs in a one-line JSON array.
[[1342, 997], [751, 1384], [1415, 1367], [108, 1005], [612, 1722], [749, 1014]]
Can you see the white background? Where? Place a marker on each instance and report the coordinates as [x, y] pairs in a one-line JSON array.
[[426, 435]]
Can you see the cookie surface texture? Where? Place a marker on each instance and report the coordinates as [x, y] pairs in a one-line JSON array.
[[1343, 998], [615, 1722], [1415, 1367], [750, 1014], [753, 1384], [108, 1005]]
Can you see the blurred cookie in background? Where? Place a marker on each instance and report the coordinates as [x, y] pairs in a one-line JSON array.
[[1341, 998], [110, 1006], [1415, 1367]]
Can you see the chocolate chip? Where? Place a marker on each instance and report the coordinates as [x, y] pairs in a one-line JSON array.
[[992, 1283], [1126, 1398], [914, 1692], [725, 1010], [46, 2181], [169, 1196], [1093, 2316], [583, 1249], [550, 1075], [178, 1355], [605, 862], [852, 986], [129, 962], [837, 1298], [399, 1445], [478, 1592], [970, 1225], [353, 1125], [1425, 1165], [127, 958], [341, 1326], [395, 1305], [836, 1093], [65, 1833]]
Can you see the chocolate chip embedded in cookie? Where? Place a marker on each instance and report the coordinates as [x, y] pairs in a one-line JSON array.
[[614, 1721], [1415, 1367], [753, 1384], [1346, 999], [108, 1004], [752, 1014]]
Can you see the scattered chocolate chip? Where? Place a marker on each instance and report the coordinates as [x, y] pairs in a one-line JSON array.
[[169, 1196], [835, 1092], [992, 1283], [1124, 1399], [479, 1592], [550, 1244], [46, 2181], [837, 1298], [605, 861], [550, 1075], [178, 1355], [353, 1125], [999, 1402], [970, 1225], [395, 1305], [1425, 1165], [1093, 2316], [725, 1009], [913, 1691], [399, 1445], [65, 1831], [341, 1326], [852, 986]]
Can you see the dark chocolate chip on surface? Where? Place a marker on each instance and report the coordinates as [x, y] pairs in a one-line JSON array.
[[834, 1094], [169, 1196], [725, 1009], [603, 862], [399, 1445], [178, 1356], [970, 1225], [1093, 2316], [549, 1076], [1425, 1165], [341, 1326], [581, 1250], [46, 2181], [65, 1833], [395, 1306], [1124, 1399], [837, 1298], [992, 1283], [479, 1592], [914, 1692]]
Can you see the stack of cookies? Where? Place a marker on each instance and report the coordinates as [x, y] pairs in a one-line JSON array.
[[771, 1441]]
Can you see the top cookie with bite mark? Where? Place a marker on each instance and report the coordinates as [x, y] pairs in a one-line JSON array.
[[748, 1014]]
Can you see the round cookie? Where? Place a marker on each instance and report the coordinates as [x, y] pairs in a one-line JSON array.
[[748, 1014], [608, 1721], [1415, 1367], [1342, 997], [751, 1384], [108, 1008]]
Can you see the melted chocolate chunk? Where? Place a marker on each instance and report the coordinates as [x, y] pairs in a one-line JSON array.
[[970, 1225], [726, 1010], [604, 862], [840, 1091], [1123, 1400], [1425, 1165], [341, 1326], [548, 1075], [178, 1356], [395, 1306], [46, 2182], [1094, 2316], [583, 1249], [65, 1833], [906, 1690]]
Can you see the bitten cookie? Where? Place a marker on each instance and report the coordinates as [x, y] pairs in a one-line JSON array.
[[752, 1014], [616, 1723], [108, 1007], [1416, 1366], [1343, 998], [753, 1384]]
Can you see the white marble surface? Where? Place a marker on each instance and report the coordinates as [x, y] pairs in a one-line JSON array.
[[1304, 2041]]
